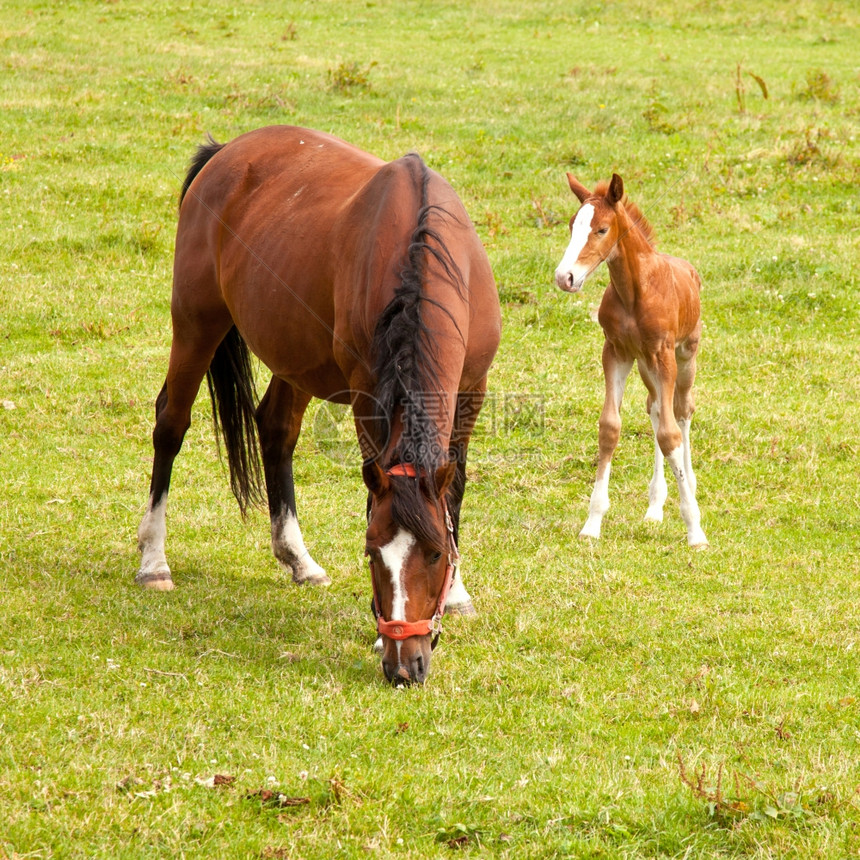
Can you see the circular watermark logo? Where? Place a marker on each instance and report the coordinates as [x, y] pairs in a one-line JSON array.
[[336, 433]]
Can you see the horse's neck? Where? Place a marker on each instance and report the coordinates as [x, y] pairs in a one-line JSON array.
[[625, 265]]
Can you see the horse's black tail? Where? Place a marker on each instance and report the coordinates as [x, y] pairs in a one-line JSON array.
[[198, 161], [234, 400]]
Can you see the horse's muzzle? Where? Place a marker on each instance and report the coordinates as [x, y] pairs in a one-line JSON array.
[[410, 671]]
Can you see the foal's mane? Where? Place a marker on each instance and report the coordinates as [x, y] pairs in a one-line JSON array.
[[635, 214], [406, 361]]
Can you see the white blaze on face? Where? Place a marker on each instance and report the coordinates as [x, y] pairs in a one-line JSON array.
[[570, 275], [394, 557]]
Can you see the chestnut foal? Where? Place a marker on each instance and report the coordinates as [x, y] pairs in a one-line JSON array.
[[650, 315]]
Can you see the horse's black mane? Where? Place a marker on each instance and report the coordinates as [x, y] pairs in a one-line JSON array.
[[405, 360]]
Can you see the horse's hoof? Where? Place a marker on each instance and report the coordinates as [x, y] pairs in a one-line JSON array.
[[317, 577], [461, 609], [155, 580]]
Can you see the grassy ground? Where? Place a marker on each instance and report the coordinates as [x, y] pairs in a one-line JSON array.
[[629, 698]]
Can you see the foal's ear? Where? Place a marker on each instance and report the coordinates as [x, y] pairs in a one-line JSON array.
[[579, 190], [375, 478], [616, 190]]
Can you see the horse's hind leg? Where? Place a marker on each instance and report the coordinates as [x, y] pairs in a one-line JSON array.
[[615, 373], [188, 366], [279, 420]]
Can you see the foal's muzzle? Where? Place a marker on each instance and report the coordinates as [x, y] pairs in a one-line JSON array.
[[566, 281]]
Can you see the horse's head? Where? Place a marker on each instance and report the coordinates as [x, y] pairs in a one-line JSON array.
[[594, 232], [410, 543]]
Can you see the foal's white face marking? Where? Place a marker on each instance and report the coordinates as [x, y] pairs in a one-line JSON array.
[[570, 275], [394, 555]]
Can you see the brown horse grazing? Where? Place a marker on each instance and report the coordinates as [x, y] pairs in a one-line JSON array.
[[356, 281], [650, 315]]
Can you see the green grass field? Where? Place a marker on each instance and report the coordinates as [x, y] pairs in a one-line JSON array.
[[620, 699]]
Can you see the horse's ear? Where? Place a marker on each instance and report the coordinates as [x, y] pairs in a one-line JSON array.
[[375, 478], [442, 478], [579, 190], [616, 190]]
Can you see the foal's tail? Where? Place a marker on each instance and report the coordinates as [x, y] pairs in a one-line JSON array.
[[234, 401]]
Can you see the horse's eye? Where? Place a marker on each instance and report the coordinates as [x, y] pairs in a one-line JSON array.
[[435, 557], [602, 231]]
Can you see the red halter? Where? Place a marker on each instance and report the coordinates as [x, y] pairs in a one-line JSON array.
[[401, 630]]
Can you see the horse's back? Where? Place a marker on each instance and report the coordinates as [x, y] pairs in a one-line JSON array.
[[302, 238]]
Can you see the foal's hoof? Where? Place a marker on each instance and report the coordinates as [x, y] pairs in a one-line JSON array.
[[156, 580], [697, 540], [591, 529]]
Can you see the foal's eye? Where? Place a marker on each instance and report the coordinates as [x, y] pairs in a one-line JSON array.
[[602, 231], [435, 557]]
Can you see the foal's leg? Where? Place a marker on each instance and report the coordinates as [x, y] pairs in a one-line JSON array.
[[657, 489], [670, 437], [684, 408], [279, 420], [468, 407], [615, 372], [189, 360]]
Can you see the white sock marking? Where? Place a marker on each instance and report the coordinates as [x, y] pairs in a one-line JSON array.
[[289, 548], [657, 489], [598, 506], [151, 535], [689, 506]]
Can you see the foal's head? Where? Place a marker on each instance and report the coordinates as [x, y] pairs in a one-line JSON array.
[[594, 232], [411, 549]]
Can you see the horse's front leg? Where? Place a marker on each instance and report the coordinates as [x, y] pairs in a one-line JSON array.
[[469, 405], [279, 420], [615, 373]]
